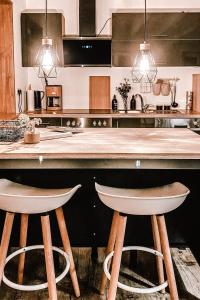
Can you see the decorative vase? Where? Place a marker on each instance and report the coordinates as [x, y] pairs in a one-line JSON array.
[[31, 137], [125, 102]]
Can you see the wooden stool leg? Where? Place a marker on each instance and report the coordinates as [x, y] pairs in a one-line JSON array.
[[167, 257], [121, 227], [22, 243], [157, 246], [110, 247], [5, 241], [46, 233], [67, 248]]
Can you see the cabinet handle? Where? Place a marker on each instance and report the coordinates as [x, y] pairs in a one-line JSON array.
[[160, 35]]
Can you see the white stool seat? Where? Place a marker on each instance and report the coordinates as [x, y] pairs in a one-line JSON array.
[[148, 201], [19, 198]]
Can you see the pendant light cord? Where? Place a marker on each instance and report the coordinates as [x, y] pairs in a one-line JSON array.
[[145, 20], [46, 17]]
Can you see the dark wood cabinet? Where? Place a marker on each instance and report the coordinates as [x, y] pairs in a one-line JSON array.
[[174, 26], [33, 30], [174, 38]]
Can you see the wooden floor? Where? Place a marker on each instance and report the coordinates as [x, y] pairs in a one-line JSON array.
[[89, 269]]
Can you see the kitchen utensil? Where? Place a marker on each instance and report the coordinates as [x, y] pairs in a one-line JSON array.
[[166, 107], [159, 107], [133, 103], [38, 96], [189, 100], [54, 97], [165, 88], [156, 87], [173, 93], [99, 92]]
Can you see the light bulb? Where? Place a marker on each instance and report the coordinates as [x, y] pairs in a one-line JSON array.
[[46, 59], [144, 64], [144, 68]]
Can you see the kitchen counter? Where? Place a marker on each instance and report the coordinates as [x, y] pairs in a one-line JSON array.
[[108, 148], [74, 113], [78, 113]]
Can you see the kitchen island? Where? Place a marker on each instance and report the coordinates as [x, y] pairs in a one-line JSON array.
[[145, 148], [141, 157]]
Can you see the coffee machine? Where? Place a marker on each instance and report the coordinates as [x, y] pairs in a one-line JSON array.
[[54, 97]]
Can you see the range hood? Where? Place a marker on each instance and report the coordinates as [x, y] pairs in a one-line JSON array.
[[87, 49], [87, 18]]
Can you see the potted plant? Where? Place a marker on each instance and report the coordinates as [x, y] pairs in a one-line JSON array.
[[123, 90], [31, 136]]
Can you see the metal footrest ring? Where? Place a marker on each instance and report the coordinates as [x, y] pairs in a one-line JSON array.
[[134, 289], [36, 287]]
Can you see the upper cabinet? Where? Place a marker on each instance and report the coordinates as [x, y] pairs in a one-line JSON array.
[[33, 29], [174, 38], [174, 26]]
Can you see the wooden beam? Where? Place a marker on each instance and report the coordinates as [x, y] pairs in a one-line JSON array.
[[7, 85]]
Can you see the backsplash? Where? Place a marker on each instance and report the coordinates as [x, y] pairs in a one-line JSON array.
[[75, 82]]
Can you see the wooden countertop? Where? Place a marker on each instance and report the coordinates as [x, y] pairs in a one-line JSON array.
[[140, 143], [75, 113]]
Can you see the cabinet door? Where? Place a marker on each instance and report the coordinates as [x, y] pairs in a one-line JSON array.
[[168, 53], [33, 30], [176, 52], [124, 53], [174, 38], [174, 26], [128, 26], [177, 25]]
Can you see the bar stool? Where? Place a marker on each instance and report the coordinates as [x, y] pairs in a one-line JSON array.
[[154, 202], [18, 198]]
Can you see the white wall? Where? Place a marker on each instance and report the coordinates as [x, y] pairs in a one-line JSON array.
[[21, 74], [75, 81]]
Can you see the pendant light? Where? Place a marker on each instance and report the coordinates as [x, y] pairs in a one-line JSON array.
[[47, 58], [144, 68]]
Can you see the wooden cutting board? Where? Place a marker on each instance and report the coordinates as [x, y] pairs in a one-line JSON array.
[[99, 87], [196, 91]]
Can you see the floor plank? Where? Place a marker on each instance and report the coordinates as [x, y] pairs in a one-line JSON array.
[[188, 270], [89, 270]]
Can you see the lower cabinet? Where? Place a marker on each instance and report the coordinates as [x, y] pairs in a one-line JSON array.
[[133, 122], [50, 122]]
